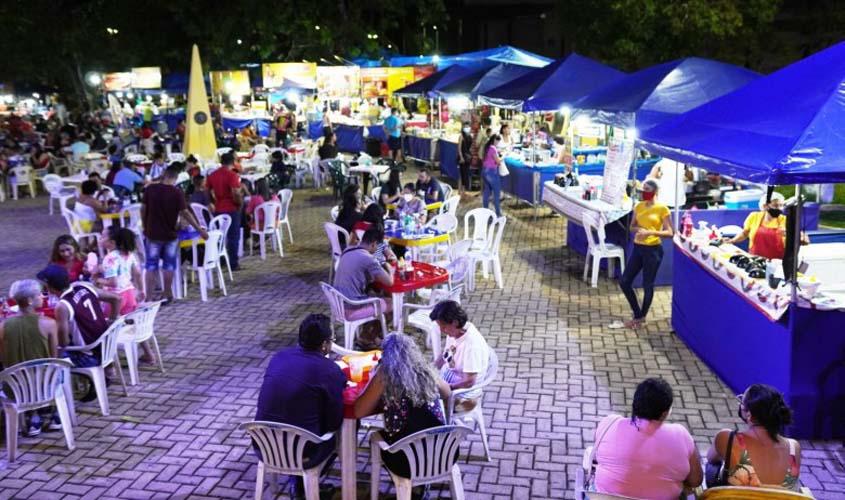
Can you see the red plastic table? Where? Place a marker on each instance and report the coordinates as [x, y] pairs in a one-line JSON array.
[[423, 276]]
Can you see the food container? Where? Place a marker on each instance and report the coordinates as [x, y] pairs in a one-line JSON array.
[[744, 199]]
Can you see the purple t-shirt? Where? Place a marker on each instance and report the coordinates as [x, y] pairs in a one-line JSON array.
[[491, 159], [356, 269], [646, 460]]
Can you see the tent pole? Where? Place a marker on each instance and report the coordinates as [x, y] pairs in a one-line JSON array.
[[677, 216], [796, 243]]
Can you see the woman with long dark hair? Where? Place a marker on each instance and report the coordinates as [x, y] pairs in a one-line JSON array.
[[490, 174], [464, 158]]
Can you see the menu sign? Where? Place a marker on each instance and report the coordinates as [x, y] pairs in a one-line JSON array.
[[620, 154]]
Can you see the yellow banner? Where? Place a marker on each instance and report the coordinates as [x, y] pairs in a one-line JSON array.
[[399, 77], [298, 74], [334, 82], [199, 130], [374, 82], [230, 82]]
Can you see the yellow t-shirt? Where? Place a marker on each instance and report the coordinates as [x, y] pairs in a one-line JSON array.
[[753, 221], [650, 218]]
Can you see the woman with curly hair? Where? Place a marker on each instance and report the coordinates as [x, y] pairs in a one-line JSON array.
[[410, 388]]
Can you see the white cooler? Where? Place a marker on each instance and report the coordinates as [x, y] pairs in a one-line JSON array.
[[743, 199], [827, 262]]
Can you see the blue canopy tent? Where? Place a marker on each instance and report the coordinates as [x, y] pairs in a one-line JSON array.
[[549, 88], [430, 84], [653, 95], [483, 80], [503, 54]]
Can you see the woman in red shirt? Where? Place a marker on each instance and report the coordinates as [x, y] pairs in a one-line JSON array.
[[66, 254]]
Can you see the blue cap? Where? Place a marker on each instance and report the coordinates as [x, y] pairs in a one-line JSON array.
[[54, 276]]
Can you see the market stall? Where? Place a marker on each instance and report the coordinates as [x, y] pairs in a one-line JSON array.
[[783, 129]]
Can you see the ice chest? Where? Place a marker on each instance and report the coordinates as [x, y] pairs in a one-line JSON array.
[[744, 199]]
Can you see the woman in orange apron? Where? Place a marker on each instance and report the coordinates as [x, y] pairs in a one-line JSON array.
[[766, 229]]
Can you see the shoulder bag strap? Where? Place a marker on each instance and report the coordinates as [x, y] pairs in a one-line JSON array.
[[723, 476], [601, 438]]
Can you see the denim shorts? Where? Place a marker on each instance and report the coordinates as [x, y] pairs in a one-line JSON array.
[[166, 251]]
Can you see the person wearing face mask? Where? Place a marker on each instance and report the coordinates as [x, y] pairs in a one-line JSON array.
[[650, 224], [410, 204], [644, 456], [464, 157], [766, 229]]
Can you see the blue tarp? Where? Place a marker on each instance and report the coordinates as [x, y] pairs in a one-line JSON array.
[[653, 95], [549, 88], [428, 85], [484, 80], [503, 54], [785, 128]]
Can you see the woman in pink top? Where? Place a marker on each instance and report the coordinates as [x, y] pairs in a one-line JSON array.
[[492, 182], [643, 456]]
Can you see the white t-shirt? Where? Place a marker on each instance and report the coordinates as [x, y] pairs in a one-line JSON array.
[[467, 354]]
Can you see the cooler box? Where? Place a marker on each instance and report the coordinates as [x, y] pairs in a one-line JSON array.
[[744, 199], [826, 261]]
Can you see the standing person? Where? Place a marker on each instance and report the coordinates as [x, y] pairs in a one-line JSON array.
[[393, 131], [29, 336], [492, 182], [163, 204], [766, 229], [120, 271], [302, 387], [225, 184], [505, 134], [464, 158], [649, 223]]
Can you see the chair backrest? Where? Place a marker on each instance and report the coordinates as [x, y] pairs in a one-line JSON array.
[[447, 190], [261, 148], [201, 212], [496, 232], [335, 300], [375, 194], [333, 231], [222, 151], [443, 222], [135, 221], [268, 213], [53, 184], [459, 249], [211, 256], [451, 205], [74, 226], [438, 295], [492, 369], [285, 197], [748, 493], [260, 159], [334, 212], [143, 319], [219, 223], [23, 174], [481, 219], [593, 222], [281, 447], [176, 157], [431, 452], [459, 271], [108, 342], [136, 158], [35, 383]]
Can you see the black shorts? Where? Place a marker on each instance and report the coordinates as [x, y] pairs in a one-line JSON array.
[[394, 143]]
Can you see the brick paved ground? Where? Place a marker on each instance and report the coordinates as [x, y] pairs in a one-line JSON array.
[[562, 370]]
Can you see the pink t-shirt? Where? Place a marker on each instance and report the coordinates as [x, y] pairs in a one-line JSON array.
[[646, 460], [491, 159]]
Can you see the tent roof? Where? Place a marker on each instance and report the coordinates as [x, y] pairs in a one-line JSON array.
[[434, 82], [652, 95], [484, 80], [549, 88], [504, 54], [785, 128]]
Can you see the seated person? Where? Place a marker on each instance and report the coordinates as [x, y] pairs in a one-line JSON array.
[[373, 217], [29, 336], [79, 315], [88, 208], [104, 193], [127, 178], [350, 209], [157, 167], [428, 187], [391, 191], [280, 169], [202, 194], [66, 254], [410, 204], [259, 194], [303, 387], [409, 389], [192, 166], [328, 151], [643, 456], [760, 454], [465, 356]]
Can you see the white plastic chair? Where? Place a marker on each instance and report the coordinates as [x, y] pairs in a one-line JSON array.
[[136, 223], [55, 187], [447, 193], [37, 384], [446, 223], [136, 158], [490, 253], [22, 177], [420, 320], [598, 249], [175, 157], [360, 312], [261, 149], [222, 151], [475, 416], [285, 197], [141, 330], [333, 231], [268, 212], [375, 194], [74, 227], [281, 450], [205, 269], [333, 213], [202, 213], [481, 219], [222, 223], [108, 355], [432, 456], [450, 206]]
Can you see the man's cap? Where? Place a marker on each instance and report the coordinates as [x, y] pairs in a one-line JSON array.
[[55, 276]]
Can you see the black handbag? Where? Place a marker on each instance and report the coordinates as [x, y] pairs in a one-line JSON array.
[[716, 474]]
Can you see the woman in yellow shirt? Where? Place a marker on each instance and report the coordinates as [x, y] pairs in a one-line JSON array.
[[649, 223], [765, 229]]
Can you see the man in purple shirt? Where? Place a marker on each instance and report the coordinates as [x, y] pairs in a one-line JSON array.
[[303, 387]]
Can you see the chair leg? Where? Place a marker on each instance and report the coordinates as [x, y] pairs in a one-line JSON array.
[[241, 243], [348, 335], [586, 266], [383, 321], [456, 486], [596, 266], [259, 481], [66, 420], [130, 349], [290, 233], [621, 265], [99, 378], [220, 278], [482, 429], [611, 267], [263, 246], [251, 250], [120, 373], [228, 266], [312, 483], [497, 272], [158, 354], [434, 338], [11, 433], [403, 487], [68, 390], [277, 234], [203, 278], [375, 461]]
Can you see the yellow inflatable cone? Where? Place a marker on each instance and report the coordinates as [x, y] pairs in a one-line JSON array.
[[199, 129]]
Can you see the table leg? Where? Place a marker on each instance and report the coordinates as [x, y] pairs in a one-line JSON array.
[[348, 458], [176, 288], [398, 301]]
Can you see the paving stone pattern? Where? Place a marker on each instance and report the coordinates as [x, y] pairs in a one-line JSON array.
[[562, 370]]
